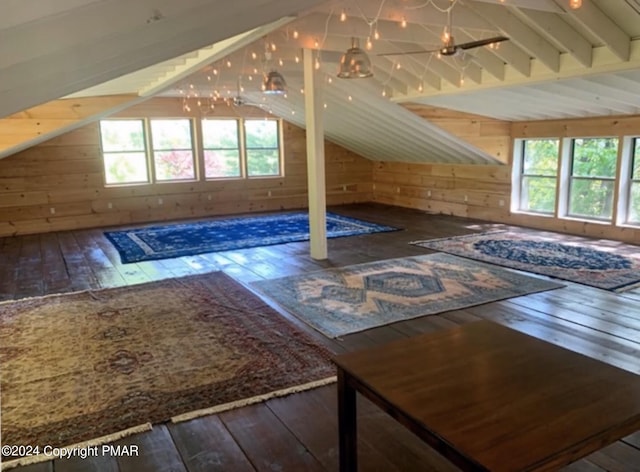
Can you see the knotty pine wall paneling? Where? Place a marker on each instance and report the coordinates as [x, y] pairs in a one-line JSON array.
[[59, 184], [484, 191]]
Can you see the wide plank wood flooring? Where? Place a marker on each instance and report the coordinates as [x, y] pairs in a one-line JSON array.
[[299, 432]]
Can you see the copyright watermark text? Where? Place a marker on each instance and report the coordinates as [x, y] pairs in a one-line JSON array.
[[84, 452]]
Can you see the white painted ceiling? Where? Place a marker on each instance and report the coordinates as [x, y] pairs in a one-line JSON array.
[[558, 63]]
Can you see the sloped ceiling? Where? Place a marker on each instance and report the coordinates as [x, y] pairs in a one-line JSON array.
[[558, 63]]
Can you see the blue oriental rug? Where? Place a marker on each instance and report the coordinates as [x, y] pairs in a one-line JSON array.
[[610, 266], [176, 240], [346, 300]]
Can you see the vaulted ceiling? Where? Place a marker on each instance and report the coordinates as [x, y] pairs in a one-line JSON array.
[[559, 62]]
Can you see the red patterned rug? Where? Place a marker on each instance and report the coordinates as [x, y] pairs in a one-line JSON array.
[[88, 365]]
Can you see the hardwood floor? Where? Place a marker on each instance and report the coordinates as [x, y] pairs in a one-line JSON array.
[[299, 432]]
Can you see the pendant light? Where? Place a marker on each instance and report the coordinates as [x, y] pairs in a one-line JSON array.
[[355, 63], [274, 83]]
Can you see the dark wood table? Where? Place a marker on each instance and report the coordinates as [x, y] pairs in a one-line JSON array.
[[490, 398]]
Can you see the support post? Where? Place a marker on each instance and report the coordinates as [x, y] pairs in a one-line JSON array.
[[315, 158]]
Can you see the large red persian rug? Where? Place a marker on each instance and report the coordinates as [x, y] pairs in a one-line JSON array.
[[88, 365]]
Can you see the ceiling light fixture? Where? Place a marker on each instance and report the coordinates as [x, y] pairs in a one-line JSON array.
[[355, 64], [274, 84]]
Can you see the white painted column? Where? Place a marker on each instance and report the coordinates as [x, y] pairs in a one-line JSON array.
[[315, 158]]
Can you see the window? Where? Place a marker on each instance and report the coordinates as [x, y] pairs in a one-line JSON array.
[[173, 156], [221, 146], [124, 151], [539, 175], [634, 189], [262, 147], [231, 148], [592, 178]]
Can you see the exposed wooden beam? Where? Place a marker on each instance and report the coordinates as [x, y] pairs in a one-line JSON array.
[[40, 74], [602, 27], [520, 33], [564, 34], [211, 54]]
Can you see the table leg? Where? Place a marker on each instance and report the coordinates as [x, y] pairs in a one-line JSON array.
[[347, 426]]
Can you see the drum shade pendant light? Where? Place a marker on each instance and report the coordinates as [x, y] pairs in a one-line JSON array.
[[355, 63], [274, 83]]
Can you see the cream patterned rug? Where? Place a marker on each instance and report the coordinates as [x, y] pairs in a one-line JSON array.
[[341, 301]]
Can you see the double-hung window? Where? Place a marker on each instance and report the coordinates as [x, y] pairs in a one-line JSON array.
[[172, 149], [262, 147], [593, 164], [124, 152], [633, 202], [221, 147], [538, 175]]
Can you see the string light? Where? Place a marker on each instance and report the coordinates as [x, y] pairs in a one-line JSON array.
[[403, 23], [228, 63], [317, 64], [343, 16], [376, 34], [420, 88], [295, 34], [350, 98], [280, 62], [297, 59], [254, 56], [369, 44], [273, 47]]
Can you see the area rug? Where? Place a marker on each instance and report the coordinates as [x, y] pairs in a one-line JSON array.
[[162, 242], [346, 300], [88, 365], [614, 266]]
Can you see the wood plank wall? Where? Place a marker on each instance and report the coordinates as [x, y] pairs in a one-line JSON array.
[[484, 191], [490, 135], [59, 184]]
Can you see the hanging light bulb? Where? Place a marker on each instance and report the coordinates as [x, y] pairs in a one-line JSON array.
[[446, 35], [376, 34], [403, 22], [420, 88], [316, 64], [575, 4], [369, 44], [295, 34], [343, 16], [254, 55]]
